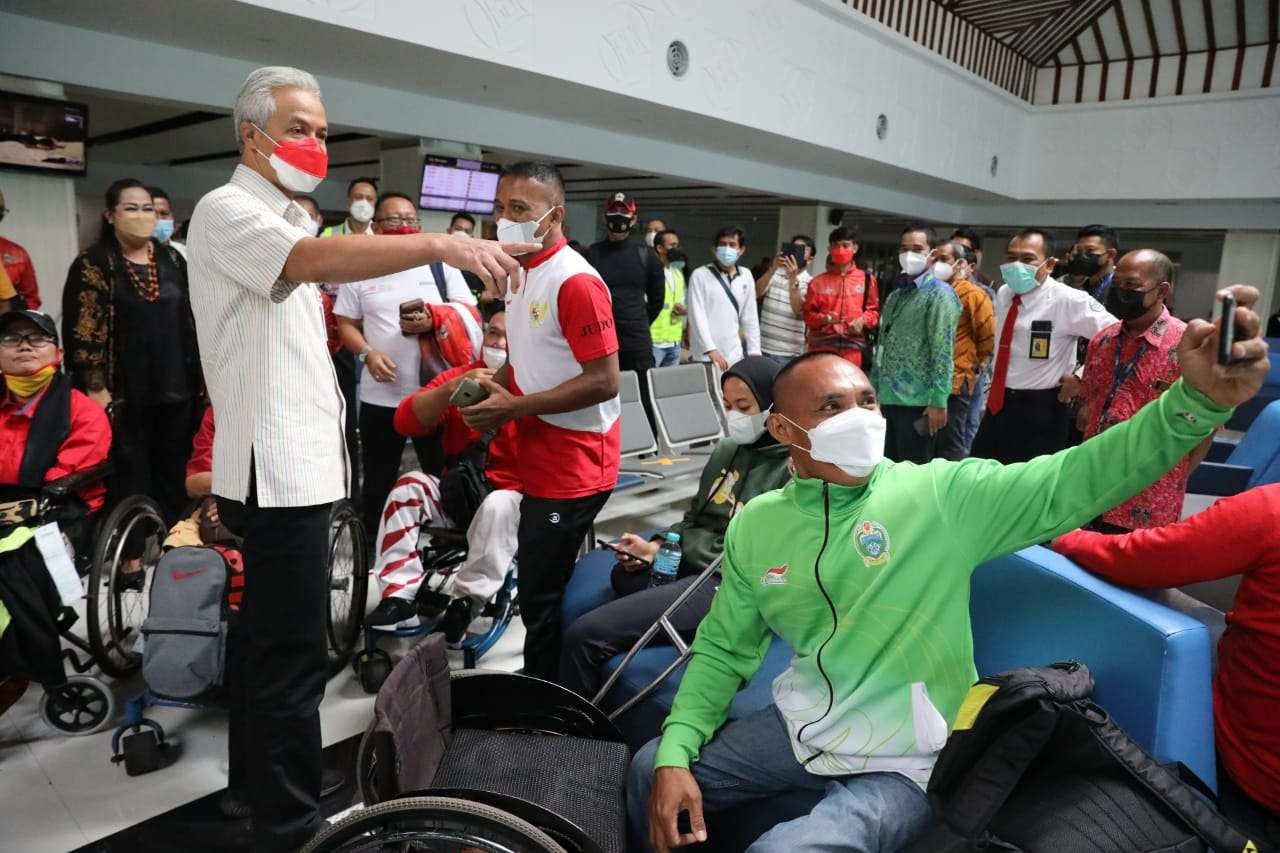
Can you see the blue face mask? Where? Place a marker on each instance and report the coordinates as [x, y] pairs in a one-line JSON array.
[[1020, 277], [677, 265], [164, 230], [727, 255]]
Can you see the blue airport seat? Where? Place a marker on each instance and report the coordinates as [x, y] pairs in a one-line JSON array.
[[1151, 664], [1246, 412], [1255, 461]]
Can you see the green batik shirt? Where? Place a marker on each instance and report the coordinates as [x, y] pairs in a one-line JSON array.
[[917, 344]]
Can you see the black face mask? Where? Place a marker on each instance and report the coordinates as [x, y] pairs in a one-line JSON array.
[[1126, 304], [618, 224], [1084, 264]]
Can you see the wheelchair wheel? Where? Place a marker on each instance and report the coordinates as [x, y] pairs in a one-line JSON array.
[[348, 583], [373, 666], [81, 706], [435, 823], [116, 601]]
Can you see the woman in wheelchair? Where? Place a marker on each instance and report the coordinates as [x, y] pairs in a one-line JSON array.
[[742, 466], [418, 500], [48, 432]]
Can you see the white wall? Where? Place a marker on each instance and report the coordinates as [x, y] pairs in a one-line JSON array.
[[1252, 258]]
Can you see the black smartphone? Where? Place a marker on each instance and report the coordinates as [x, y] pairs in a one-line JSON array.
[[615, 549], [795, 250], [1224, 309], [921, 426]]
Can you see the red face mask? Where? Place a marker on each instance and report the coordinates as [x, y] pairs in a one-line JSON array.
[[841, 256], [300, 164], [402, 229]]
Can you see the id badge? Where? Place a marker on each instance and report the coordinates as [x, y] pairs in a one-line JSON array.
[[57, 561], [1041, 331]]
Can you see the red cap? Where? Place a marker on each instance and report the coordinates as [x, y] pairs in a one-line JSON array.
[[619, 203]]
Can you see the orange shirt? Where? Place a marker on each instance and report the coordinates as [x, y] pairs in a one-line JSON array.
[[975, 333]]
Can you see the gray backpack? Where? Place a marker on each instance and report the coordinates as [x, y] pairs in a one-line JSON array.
[[186, 628]]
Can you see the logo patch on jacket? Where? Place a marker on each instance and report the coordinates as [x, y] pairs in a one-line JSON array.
[[538, 311], [775, 576], [871, 540]]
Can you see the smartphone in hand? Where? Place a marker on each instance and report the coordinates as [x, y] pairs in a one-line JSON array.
[[1224, 309], [622, 553], [469, 393]]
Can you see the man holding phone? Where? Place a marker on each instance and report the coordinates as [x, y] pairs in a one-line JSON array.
[[379, 321], [842, 305], [781, 290]]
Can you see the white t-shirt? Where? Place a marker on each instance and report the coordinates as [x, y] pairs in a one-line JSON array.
[[376, 303]]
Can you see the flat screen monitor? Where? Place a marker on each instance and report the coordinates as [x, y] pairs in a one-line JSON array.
[[459, 185], [42, 135]]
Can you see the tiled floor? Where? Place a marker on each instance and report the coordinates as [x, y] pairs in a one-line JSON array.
[[59, 793]]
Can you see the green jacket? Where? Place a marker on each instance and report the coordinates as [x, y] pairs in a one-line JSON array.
[[669, 328], [916, 355], [733, 475], [870, 587]]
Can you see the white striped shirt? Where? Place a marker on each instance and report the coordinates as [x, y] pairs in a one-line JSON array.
[[781, 330], [263, 348]]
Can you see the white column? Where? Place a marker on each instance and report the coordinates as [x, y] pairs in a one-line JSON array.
[[1253, 258], [811, 219]]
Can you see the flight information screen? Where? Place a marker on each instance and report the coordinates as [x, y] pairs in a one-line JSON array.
[[458, 185]]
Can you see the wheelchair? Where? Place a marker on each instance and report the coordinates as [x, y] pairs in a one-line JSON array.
[[348, 580], [514, 763], [441, 558], [115, 602]]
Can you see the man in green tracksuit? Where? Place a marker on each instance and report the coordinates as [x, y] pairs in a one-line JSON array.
[[863, 567]]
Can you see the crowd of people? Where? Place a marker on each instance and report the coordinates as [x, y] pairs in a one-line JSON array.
[[323, 349]]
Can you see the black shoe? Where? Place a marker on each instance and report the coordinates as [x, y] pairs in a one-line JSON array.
[[135, 581], [431, 603], [393, 613], [456, 619]]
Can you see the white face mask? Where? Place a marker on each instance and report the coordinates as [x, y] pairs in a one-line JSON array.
[[648, 238], [943, 271], [494, 357], [311, 226], [744, 428], [853, 440], [521, 232], [912, 263], [458, 232], [361, 210]]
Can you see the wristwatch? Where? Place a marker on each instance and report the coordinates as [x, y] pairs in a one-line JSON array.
[[364, 354]]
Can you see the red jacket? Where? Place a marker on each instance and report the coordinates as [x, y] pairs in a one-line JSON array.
[[1237, 535], [87, 443], [17, 263], [201, 461], [847, 297], [457, 436]]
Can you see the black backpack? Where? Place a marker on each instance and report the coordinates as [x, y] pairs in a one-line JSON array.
[[1034, 765], [464, 485]]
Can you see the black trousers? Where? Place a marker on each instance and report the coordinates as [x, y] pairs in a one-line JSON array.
[[641, 363], [547, 543], [615, 627], [1031, 424], [903, 442], [344, 365], [150, 448], [381, 449], [1245, 813], [277, 664]]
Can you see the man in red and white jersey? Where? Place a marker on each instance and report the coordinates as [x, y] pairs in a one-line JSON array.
[[561, 388]]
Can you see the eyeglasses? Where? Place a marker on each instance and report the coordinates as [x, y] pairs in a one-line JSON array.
[[13, 340], [398, 221]]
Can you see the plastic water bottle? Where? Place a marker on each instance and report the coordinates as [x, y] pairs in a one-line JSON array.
[[666, 565]]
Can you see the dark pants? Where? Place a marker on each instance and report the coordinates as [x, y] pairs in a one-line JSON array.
[[550, 534], [344, 365], [903, 441], [276, 668], [641, 363], [1031, 424], [1245, 813], [614, 627], [952, 441], [382, 449], [150, 451]]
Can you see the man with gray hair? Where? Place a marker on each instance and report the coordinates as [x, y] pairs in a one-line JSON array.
[[279, 460]]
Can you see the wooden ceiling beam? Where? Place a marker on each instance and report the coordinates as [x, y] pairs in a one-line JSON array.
[[1123, 26], [1273, 26], [1207, 5], [1181, 31], [1155, 47]]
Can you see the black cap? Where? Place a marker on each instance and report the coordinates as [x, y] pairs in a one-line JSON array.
[[42, 321]]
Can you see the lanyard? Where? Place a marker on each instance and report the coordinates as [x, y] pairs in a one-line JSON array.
[[1120, 374]]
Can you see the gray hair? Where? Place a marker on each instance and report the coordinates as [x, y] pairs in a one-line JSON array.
[[256, 101]]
